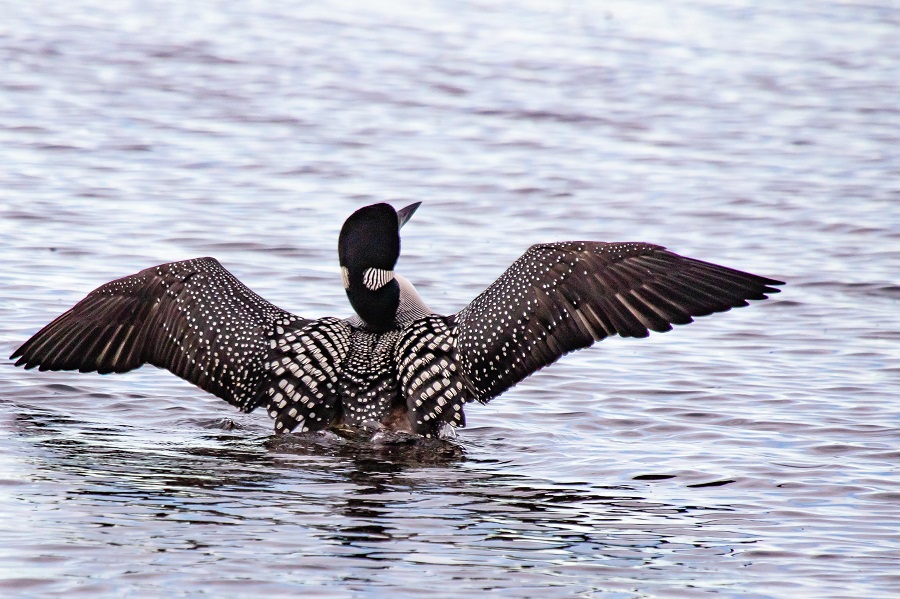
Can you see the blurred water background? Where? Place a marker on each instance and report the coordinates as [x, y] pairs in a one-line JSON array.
[[752, 454]]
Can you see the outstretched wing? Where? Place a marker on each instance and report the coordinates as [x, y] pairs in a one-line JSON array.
[[193, 318], [560, 297]]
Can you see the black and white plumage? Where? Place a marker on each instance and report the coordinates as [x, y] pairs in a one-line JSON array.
[[396, 364]]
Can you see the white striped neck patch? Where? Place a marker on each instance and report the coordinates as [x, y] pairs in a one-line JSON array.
[[376, 278]]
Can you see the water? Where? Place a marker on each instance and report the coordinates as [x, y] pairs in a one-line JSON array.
[[751, 454]]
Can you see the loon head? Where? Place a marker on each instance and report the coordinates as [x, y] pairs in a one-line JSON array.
[[368, 249]]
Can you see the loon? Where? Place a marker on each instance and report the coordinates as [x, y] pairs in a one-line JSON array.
[[396, 365]]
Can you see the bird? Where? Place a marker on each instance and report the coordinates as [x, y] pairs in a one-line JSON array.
[[395, 365]]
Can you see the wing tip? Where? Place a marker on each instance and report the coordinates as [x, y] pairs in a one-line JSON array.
[[771, 286], [23, 358]]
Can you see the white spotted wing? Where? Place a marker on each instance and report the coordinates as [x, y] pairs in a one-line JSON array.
[[560, 297]]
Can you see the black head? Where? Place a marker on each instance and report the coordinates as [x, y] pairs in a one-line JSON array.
[[368, 249]]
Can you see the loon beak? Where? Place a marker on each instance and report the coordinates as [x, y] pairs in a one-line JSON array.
[[405, 214]]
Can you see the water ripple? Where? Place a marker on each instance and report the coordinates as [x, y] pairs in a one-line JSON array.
[[749, 454]]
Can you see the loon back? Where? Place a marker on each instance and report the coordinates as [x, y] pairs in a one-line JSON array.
[[396, 364]]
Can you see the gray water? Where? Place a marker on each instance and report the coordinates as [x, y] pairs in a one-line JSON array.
[[751, 454]]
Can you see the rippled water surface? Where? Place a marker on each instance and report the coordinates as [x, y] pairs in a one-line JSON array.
[[754, 453]]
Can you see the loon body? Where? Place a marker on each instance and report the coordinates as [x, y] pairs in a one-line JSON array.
[[396, 363]]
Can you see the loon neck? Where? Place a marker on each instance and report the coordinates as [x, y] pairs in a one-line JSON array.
[[378, 308], [410, 308]]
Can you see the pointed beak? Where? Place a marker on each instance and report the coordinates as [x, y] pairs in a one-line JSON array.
[[405, 214]]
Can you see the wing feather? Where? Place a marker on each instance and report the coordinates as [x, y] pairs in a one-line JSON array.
[[193, 318], [561, 297]]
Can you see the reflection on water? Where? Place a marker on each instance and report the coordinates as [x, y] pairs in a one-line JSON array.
[[319, 495], [752, 453]]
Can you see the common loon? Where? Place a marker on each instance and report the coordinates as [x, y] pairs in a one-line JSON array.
[[396, 364]]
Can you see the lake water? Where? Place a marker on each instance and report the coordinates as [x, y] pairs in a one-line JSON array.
[[751, 454]]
